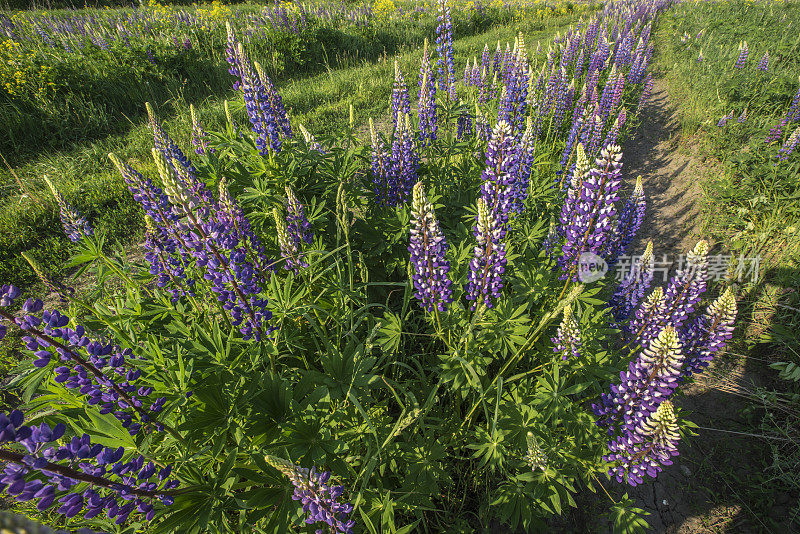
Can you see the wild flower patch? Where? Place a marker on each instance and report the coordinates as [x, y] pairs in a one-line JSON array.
[[339, 336]]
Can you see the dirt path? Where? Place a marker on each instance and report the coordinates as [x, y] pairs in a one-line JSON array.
[[670, 179]]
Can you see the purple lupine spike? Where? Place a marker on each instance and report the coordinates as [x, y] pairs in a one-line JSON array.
[[648, 88], [567, 340], [526, 153], [488, 264], [275, 102], [563, 100], [259, 107], [444, 46], [497, 63], [632, 288], [296, 222], [763, 63], [648, 381], [164, 144], [428, 248], [486, 57], [427, 100], [613, 133], [683, 293], [464, 128], [743, 52], [220, 251], [499, 190], [723, 121], [93, 368], [788, 147], [401, 102], [700, 57], [742, 117], [76, 227], [290, 249], [630, 220], [709, 333], [49, 471], [405, 162], [199, 137], [317, 496], [645, 449], [595, 210], [569, 210]]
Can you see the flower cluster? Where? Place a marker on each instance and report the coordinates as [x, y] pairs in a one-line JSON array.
[[199, 137], [500, 190], [75, 225], [742, 58], [567, 341], [297, 224], [488, 264], [401, 101], [428, 249], [83, 476], [318, 499], [631, 290], [394, 174], [651, 445], [96, 370], [444, 46], [427, 99]]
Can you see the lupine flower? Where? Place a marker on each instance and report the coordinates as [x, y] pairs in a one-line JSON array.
[[646, 449], [648, 88], [381, 167], [464, 125], [75, 225], [290, 250], [709, 333], [628, 224], [219, 248], [723, 121], [428, 248], [649, 380], [259, 108], [700, 56], [633, 287], [743, 52], [401, 102], [526, 153], [444, 46], [276, 103], [318, 498], [199, 138], [788, 147], [535, 457], [296, 222], [311, 142], [404, 163], [567, 341], [48, 472], [742, 117], [500, 191], [683, 293], [427, 99], [96, 369], [763, 63], [489, 261], [590, 228]]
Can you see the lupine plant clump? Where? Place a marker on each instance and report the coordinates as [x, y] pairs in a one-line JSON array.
[[332, 333]]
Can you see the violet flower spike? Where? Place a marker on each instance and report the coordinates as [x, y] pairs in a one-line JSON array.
[[567, 341], [318, 498], [632, 288], [76, 227], [709, 333], [651, 445], [428, 250], [488, 264]]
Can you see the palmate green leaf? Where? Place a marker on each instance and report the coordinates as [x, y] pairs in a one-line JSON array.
[[626, 518], [390, 333], [108, 430]]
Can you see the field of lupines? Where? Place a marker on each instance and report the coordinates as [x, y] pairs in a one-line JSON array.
[[390, 329], [97, 102]]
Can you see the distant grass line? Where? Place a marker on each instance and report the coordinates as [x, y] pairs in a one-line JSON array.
[[86, 178]]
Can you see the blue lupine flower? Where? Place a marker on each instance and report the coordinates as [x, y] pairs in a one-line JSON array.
[[428, 248], [489, 260]]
